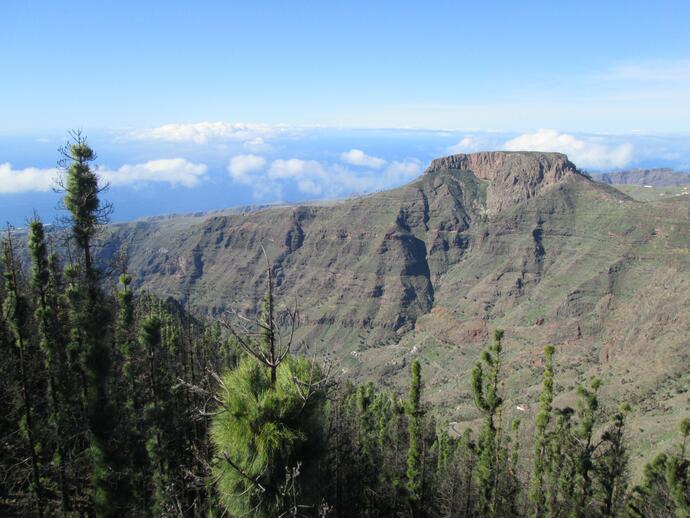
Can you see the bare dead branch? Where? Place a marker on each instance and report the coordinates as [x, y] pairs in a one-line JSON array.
[[254, 481], [256, 353]]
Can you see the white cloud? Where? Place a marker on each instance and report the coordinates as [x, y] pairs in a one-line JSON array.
[[346, 181], [241, 166], [256, 145], [174, 171], [310, 176], [202, 132], [465, 145], [402, 171], [587, 152], [31, 179], [360, 158], [296, 169], [315, 178]]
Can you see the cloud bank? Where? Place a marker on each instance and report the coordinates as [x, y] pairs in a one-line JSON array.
[[317, 178], [588, 152], [203, 132], [172, 171], [360, 158], [31, 179], [467, 144]]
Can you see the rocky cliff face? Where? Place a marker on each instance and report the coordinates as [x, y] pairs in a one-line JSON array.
[[513, 176], [521, 241], [372, 266], [365, 267]]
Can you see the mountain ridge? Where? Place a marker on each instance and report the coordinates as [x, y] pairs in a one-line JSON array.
[[522, 241], [655, 177]]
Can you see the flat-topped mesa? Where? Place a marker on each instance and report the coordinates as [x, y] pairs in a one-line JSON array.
[[514, 176]]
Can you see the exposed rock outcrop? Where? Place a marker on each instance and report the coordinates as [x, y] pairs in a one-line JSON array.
[[513, 176]]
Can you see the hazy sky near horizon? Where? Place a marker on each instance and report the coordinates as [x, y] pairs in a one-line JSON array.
[[194, 106]]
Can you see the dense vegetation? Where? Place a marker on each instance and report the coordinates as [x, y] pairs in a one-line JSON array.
[[120, 404]]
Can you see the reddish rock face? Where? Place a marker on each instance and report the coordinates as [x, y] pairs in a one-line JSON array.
[[513, 176]]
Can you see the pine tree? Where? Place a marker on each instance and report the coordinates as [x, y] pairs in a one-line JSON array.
[[13, 452], [678, 473], [485, 385], [124, 335], [53, 344], [265, 429], [537, 494], [665, 489], [561, 465], [453, 487], [269, 428], [82, 189], [612, 464], [90, 320], [16, 314], [512, 486], [133, 361], [157, 412], [588, 406], [415, 446]]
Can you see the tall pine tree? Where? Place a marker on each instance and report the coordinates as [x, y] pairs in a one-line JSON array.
[[485, 385], [415, 445], [53, 344], [537, 493], [16, 314], [87, 216]]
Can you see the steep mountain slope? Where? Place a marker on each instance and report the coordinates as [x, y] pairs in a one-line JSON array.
[[369, 263], [515, 240]]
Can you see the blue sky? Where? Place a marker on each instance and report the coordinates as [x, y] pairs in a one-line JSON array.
[[195, 106]]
